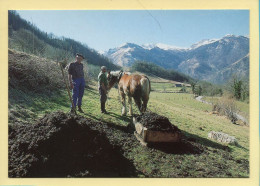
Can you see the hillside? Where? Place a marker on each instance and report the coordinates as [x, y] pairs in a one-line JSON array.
[[39, 135], [155, 70], [201, 61], [240, 68], [25, 37], [45, 140], [32, 73]]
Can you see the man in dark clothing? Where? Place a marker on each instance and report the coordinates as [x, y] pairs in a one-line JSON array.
[[77, 81], [102, 87]]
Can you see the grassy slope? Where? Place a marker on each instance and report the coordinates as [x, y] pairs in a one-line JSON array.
[[242, 107], [192, 117], [199, 157]]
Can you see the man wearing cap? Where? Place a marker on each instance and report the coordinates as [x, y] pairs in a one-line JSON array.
[[77, 81], [102, 87]]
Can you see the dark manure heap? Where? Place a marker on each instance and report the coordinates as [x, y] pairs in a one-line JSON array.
[[62, 145], [155, 122]]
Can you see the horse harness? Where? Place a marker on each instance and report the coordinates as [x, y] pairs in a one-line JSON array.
[[120, 75]]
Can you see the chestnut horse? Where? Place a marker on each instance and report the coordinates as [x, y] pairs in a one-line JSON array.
[[133, 86]]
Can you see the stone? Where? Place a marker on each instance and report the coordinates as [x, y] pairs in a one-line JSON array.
[[222, 137]]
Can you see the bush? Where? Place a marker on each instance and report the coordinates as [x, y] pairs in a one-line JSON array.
[[93, 71], [27, 72], [226, 106], [183, 89]]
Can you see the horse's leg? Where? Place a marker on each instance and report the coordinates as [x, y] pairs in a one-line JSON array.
[[138, 103], [144, 105], [123, 103], [130, 105]]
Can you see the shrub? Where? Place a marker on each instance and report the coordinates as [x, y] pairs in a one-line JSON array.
[[27, 72], [183, 89], [226, 106], [93, 71]]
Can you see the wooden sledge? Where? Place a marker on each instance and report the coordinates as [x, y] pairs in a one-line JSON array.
[[146, 136]]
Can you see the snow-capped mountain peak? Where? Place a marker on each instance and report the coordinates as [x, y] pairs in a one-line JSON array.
[[203, 42], [161, 46], [101, 52], [230, 35], [200, 61], [129, 45]]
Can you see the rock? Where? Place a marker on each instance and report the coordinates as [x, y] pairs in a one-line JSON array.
[[222, 137]]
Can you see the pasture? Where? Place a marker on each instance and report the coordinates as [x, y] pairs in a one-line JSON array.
[[164, 86], [197, 157], [241, 107]]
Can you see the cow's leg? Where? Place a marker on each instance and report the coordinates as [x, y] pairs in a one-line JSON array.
[[123, 103], [130, 105]]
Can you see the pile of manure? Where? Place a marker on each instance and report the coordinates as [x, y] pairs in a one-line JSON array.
[[155, 122], [63, 145]]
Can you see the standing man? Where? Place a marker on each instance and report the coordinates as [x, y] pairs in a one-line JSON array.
[[102, 87], [77, 82]]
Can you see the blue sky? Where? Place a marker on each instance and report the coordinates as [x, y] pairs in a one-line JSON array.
[[104, 29]]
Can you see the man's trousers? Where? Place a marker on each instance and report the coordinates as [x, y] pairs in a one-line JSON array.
[[78, 91]]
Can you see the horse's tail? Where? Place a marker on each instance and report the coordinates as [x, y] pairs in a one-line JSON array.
[[146, 87]]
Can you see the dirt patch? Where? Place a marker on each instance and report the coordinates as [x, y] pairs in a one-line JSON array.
[[61, 145], [155, 122]]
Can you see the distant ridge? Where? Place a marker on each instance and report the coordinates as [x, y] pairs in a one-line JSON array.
[[201, 61]]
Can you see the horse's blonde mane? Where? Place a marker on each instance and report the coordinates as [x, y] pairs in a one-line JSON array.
[[115, 73]]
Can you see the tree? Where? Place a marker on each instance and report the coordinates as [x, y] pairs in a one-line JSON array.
[[245, 90], [239, 88], [193, 84], [153, 69], [198, 90]]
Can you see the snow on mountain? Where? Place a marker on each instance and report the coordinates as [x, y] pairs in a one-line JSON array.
[[101, 52], [203, 42], [201, 60], [162, 46], [121, 54]]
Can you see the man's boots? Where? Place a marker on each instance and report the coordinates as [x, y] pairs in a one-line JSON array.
[[103, 110], [80, 110], [72, 110]]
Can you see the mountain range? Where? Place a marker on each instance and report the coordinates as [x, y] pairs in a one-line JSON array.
[[213, 60]]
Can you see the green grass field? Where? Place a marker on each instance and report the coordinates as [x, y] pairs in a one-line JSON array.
[[167, 87], [164, 86], [242, 107], [200, 157]]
